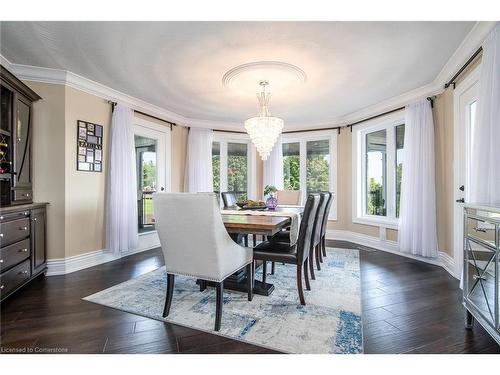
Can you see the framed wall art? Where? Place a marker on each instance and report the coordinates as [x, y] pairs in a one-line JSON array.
[[89, 147]]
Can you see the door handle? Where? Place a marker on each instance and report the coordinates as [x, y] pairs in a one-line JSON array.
[[162, 188], [461, 200]]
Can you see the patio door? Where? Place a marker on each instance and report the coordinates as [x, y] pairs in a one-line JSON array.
[[152, 150], [465, 105]]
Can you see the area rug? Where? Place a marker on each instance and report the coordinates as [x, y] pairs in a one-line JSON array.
[[329, 323]]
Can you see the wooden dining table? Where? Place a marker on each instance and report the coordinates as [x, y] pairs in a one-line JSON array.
[[255, 224]]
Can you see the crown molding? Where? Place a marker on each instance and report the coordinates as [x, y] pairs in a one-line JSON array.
[[58, 76], [469, 45]]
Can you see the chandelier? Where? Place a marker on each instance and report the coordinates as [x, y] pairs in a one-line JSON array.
[[264, 129]]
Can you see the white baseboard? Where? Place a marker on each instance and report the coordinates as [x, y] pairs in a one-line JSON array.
[[443, 260], [63, 266]]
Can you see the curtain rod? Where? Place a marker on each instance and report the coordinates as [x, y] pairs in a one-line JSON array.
[[113, 104], [467, 63]]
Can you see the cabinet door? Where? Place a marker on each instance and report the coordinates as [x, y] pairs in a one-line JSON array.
[[22, 144], [38, 250]]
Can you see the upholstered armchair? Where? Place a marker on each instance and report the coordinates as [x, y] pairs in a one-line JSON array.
[[195, 243]]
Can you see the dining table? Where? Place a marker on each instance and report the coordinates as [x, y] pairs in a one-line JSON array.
[[257, 223]]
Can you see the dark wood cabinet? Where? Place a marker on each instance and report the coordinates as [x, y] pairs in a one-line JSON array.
[[38, 240], [16, 123], [23, 252]]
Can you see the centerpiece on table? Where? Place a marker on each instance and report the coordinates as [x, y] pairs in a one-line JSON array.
[[270, 192]]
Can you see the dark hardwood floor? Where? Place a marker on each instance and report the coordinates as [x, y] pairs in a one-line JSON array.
[[408, 307]]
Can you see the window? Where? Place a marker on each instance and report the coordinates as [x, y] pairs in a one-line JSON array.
[[237, 169], [378, 166], [309, 163], [291, 166], [216, 166], [318, 166], [233, 164]]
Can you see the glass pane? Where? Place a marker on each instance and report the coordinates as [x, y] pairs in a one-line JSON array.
[[291, 166], [145, 149], [216, 166], [318, 166], [237, 169], [481, 278], [5, 109], [400, 137], [22, 145], [376, 173]]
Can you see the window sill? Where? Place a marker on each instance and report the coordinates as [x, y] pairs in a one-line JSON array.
[[376, 222]]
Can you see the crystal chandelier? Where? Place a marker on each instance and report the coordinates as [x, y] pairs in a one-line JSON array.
[[264, 129]]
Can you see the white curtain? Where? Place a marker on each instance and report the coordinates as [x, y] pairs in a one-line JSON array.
[[121, 223], [199, 160], [485, 155], [417, 221], [273, 167]]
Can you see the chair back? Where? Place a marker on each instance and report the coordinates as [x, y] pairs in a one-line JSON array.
[[289, 197], [193, 237], [229, 199], [306, 227], [327, 213], [318, 220]]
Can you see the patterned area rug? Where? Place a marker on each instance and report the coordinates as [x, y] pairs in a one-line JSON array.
[[329, 323]]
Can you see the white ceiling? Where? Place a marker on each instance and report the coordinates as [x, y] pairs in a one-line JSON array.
[[179, 65]]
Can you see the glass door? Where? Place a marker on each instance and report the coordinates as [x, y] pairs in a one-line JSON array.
[[150, 154]]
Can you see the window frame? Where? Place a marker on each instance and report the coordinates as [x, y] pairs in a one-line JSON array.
[[359, 215], [223, 139], [321, 135]]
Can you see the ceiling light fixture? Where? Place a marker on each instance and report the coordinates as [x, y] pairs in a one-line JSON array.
[[264, 129]]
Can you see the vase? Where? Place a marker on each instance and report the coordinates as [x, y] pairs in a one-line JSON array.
[[271, 202]]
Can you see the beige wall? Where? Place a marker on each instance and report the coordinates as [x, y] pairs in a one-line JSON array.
[[85, 191], [49, 160]]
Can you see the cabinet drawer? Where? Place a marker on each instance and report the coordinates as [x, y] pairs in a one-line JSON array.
[[14, 215], [14, 254], [22, 195], [480, 228], [14, 277], [13, 231]]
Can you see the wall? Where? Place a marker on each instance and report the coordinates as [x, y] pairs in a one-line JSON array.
[[48, 142], [85, 192]]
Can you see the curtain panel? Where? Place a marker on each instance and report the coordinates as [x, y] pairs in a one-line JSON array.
[[121, 223], [199, 160], [417, 221], [273, 167], [485, 154]]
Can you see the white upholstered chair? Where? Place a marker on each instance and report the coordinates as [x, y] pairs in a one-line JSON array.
[[195, 243], [290, 197]]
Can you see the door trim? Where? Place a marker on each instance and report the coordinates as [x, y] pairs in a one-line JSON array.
[[459, 171]]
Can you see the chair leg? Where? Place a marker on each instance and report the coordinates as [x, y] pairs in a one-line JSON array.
[[316, 250], [203, 285], [264, 272], [323, 245], [306, 274], [299, 284], [250, 280], [273, 267], [311, 264], [170, 293], [320, 253], [253, 274], [218, 304], [254, 238], [245, 240]]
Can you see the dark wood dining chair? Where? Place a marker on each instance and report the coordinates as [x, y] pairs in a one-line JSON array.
[[325, 222], [229, 200], [297, 254], [314, 250]]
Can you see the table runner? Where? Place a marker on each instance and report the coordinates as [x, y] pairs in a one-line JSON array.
[[294, 217]]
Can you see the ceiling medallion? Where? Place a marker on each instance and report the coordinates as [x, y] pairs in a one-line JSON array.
[[280, 75], [264, 129]]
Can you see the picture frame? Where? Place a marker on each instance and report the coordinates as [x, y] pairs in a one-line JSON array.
[[89, 147]]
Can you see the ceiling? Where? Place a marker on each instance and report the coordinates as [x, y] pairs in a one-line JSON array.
[[179, 65]]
